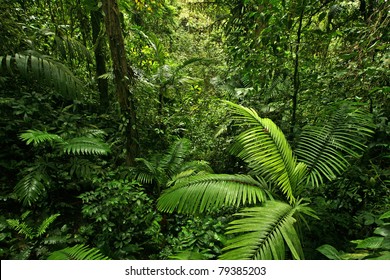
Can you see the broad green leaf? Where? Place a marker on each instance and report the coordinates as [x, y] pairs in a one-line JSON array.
[[370, 243], [330, 252], [383, 231], [385, 215]]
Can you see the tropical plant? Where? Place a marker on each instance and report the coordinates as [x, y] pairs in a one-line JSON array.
[[194, 237], [29, 239], [162, 170], [326, 146], [375, 247], [275, 185], [77, 252], [23, 228], [33, 185], [32, 65], [121, 220]]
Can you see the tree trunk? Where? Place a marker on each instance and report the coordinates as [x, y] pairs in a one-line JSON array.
[[100, 61], [296, 80], [124, 77]]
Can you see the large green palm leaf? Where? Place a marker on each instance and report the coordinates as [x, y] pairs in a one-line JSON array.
[[266, 150], [78, 252], [211, 191], [325, 147], [264, 232], [32, 65]]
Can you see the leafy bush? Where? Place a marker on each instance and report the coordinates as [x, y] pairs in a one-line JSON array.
[[376, 247], [196, 237], [31, 237], [123, 223]]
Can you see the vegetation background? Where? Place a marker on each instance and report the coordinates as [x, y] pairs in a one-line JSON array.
[[173, 129]]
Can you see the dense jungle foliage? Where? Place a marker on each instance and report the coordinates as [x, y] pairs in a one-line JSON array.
[[173, 129]]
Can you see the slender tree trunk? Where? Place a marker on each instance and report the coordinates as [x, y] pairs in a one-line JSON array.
[[296, 80], [100, 60], [124, 76]]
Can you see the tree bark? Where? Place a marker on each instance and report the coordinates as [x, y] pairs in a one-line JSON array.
[[100, 60], [124, 77]]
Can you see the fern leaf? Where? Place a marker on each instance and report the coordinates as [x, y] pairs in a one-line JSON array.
[[36, 137], [86, 146], [264, 147], [263, 233], [211, 191], [324, 147], [45, 224], [21, 227], [77, 252]]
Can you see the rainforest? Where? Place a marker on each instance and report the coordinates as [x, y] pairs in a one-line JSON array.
[[194, 129]]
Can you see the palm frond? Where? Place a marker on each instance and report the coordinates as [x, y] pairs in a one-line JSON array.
[[180, 176], [148, 171], [264, 147], [191, 168], [31, 187], [85, 146], [211, 191], [263, 233], [173, 159], [44, 69], [324, 147], [82, 168], [70, 48], [77, 252], [36, 137]]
